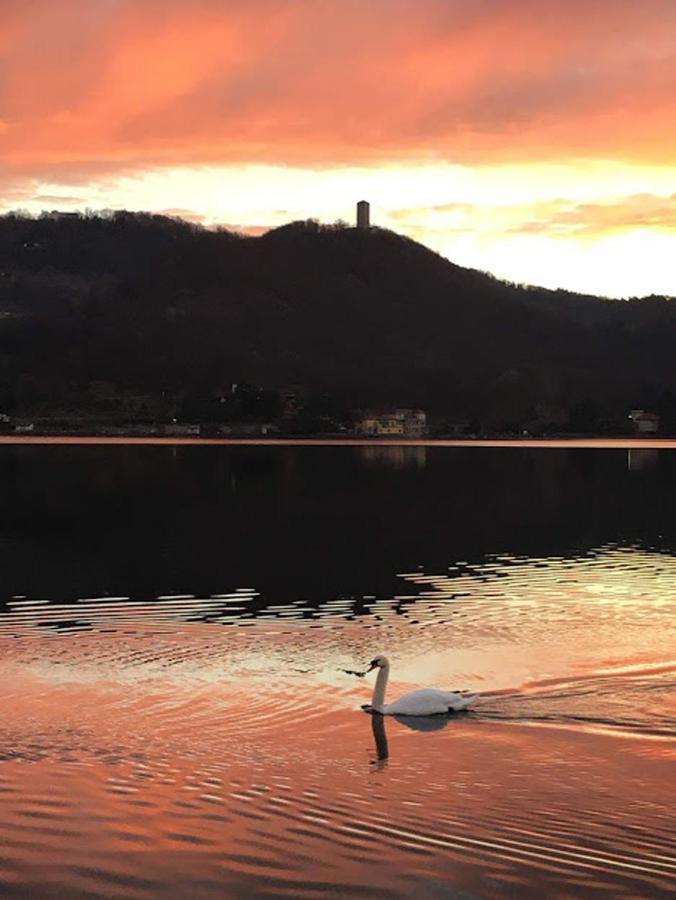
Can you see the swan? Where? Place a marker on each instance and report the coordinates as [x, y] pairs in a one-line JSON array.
[[423, 702]]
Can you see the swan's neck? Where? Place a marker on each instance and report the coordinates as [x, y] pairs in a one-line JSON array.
[[378, 701]]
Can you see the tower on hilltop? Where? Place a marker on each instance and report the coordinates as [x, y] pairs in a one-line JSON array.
[[363, 214]]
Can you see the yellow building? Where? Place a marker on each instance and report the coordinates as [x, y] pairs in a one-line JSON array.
[[399, 423]]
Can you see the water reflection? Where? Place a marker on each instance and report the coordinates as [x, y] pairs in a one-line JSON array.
[[380, 737], [414, 723], [179, 788], [394, 457], [143, 753], [640, 458], [308, 522], [425, 723]]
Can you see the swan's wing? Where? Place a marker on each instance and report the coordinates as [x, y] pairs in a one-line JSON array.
[[423, 702], [429, 702], [457, 702]]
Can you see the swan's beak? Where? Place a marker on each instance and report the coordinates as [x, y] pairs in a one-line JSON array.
[[372, 665]]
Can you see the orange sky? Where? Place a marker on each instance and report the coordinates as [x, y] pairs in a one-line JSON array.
[[532, 139]]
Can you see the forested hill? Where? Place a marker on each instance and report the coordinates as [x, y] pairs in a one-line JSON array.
[[153, 306]]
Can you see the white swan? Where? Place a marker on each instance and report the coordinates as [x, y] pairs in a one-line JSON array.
[[423, 702]]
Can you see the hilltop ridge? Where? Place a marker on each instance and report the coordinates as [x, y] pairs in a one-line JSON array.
[[150, 305]]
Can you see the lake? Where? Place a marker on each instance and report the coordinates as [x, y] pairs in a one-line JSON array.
[[175, 622]]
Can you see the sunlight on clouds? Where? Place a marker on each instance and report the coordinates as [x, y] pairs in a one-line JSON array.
[[331, 193]]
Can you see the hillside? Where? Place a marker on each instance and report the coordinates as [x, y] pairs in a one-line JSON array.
[[98, 310]]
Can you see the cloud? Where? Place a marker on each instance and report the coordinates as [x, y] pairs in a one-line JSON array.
[[559, 218], [57, 199], [626, 214], [251, 230], [197, 219], [443, 209], [94, 88]]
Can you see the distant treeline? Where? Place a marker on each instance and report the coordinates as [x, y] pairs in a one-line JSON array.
[[127, 314]]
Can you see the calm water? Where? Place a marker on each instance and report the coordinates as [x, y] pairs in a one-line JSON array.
[[175, 721]]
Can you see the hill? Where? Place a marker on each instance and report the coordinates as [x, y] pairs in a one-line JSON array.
[[138, 312]]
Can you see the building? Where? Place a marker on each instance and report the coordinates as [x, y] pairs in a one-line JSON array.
[[398, 423], [363, 214], [645, 422], [248, 429], [414, 421], [380, 425]]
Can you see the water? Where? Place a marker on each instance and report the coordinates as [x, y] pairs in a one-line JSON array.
[[173, 626]]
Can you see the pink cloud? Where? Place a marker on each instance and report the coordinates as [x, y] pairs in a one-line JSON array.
[[556, 218], [92, 87], [639, 211]]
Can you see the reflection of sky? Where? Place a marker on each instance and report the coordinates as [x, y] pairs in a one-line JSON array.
[[177, 784], [496, 626], [165, 749]]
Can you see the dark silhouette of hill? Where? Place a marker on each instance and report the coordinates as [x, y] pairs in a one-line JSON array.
[[154, 306]]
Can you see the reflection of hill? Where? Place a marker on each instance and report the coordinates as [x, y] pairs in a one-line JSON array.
[[149, 305], [306, 522]]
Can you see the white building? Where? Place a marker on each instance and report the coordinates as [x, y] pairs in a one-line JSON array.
[[645, 422]]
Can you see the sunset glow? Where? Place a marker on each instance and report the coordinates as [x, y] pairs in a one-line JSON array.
[[537, 146]]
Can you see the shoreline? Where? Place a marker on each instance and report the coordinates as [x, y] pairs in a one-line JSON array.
[[619, 443]]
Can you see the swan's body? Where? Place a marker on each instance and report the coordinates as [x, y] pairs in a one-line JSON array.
[[423, 702], [428, 702]]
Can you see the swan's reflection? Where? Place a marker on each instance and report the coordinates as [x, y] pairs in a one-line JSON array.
[[415, 723], [425, 723], [380, 737]]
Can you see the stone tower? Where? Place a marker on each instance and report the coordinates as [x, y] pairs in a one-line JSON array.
[[363, 214]]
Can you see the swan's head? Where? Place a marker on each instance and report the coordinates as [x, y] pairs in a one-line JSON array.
[[379, 662]]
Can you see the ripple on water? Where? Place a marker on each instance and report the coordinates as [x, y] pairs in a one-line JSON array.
[[310, 812], [610, 586], [156, 748]]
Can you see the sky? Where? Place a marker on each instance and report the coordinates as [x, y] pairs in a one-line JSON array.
[[534, 139]]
